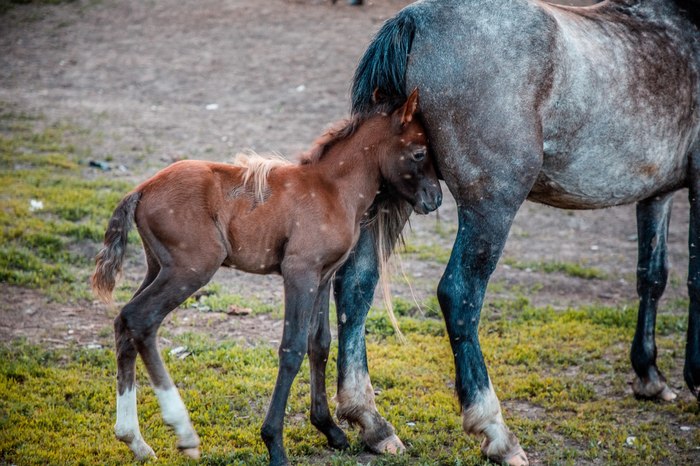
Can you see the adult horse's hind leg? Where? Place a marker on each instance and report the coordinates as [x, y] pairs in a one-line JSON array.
[[691, 370], [652, 272], [354, 290], [319, 345]]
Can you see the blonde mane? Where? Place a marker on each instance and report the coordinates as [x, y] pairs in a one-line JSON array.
[[257, 169]]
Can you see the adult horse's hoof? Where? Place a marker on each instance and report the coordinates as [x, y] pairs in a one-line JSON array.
[[515, 457], [193, 453], [652, 390], [391, 445]]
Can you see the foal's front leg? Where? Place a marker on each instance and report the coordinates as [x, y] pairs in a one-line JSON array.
[[319, 346], [300, 291]]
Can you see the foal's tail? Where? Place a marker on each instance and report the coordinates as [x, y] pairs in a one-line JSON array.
[[109, 259], [379, 85]]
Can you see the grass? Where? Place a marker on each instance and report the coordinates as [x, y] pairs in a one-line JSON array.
[[571, 269], [57, 407], [430, 252], [212, 298], [51, 217], [561, 375]]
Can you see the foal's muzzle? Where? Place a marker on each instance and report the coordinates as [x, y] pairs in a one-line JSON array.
[[428, 200]]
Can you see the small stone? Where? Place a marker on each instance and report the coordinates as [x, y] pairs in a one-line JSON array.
[[686, 428], [411, 424], [177, 351], [630, 441], [35, 205], [212, 106], [93, 346]]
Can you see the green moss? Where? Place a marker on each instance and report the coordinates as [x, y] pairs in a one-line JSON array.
[[48, 211], [58, 406], [430, 252], [568, 268], [212, 298]]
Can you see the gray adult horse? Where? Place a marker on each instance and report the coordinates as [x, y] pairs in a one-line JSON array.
[[578, 108]]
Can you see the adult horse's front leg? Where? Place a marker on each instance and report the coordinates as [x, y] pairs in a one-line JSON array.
[[354, 290], [489, 179], [461, 292], [652, 273], [300, 291]]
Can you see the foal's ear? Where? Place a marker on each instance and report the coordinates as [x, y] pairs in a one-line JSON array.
[[410, 108]]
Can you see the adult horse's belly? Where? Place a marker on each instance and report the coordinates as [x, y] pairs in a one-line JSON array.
[[604, 173]]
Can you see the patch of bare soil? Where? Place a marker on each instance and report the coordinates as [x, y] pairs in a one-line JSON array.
[[153, 82]]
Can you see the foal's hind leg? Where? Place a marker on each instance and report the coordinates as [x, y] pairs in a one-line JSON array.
[[139, 321], [127, 426], [652, 272], [319, 345], [691, 370]]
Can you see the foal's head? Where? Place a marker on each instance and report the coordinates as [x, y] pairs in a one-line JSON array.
[[405, 163]]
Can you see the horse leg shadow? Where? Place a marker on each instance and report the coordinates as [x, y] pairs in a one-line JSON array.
[[691, 369]]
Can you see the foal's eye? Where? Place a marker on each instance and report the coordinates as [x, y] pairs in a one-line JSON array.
[[419, 156]]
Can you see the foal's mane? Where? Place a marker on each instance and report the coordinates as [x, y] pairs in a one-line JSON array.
[[337, 131], [257, 168]]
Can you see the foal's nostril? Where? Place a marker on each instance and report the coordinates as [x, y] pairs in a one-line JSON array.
[[438, 200]]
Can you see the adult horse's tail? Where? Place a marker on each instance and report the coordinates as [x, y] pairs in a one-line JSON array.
[[379, 85], [109, 260]]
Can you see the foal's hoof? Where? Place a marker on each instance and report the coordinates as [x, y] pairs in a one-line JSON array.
[[392, 445], [337, 440], [656, 390], [191, 453], [142, 451], [515, 457]]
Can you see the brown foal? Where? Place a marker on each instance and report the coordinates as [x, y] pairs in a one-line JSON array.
[[261, 216]]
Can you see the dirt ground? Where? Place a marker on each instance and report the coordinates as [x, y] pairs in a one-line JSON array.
[[153, 82]]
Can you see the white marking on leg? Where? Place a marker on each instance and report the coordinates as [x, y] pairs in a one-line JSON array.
[[127, 426], [176, 416], [356, 399], [484, 417], [356, 405]]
